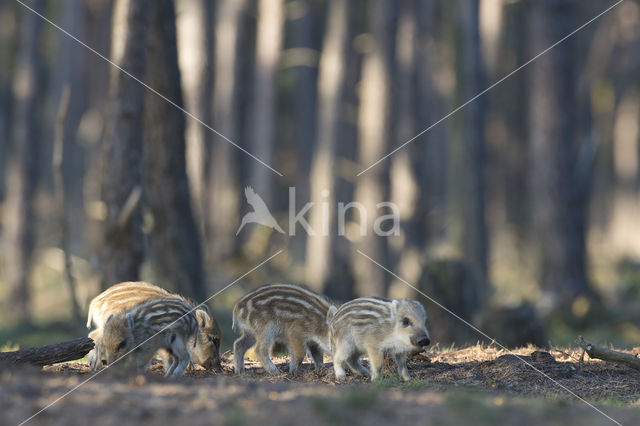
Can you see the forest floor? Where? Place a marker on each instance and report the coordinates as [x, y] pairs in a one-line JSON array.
[[478, 385]]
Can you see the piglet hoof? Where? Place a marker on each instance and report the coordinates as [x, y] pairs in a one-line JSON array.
[[272, 369]]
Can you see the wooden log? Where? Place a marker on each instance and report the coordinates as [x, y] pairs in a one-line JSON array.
[[51, 354], [598, 352]]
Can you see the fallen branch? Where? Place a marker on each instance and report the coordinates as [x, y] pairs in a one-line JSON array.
[[598, 352], [52, 354]]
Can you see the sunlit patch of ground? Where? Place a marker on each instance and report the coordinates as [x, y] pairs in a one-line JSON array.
[[479, 385]]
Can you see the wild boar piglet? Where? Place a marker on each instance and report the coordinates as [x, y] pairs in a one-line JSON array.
[[154, 324], [373, 326], [123, 296], [281, 313]]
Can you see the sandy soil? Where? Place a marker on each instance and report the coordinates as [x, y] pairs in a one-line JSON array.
[[477, 385]]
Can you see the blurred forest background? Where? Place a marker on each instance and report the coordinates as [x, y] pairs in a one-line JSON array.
[[519, 212]]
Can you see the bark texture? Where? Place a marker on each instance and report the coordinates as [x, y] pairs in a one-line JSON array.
[[262, 115], [174, 243], [22, 168], [222, 205], [51, 354], [557, 198], [324, 257], [195, 43], [471, 68], [122, 249], [374, 127]]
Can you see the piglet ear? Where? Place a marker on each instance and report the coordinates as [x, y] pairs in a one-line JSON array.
[[331, 313], [201, 317], [130, 321], [418, 305], [394, 305]]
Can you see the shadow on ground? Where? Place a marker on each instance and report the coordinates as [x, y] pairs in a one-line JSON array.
[[476, 385]]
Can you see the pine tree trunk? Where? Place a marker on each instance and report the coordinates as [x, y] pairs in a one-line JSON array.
[[174, 243], [195, 44], [557, 210], [325, 260], [7, 38], [471, 70], [303, 55], [374, 126], [221, 210], [430, 159], [122, 249], [306, 86], [407, 165], [94, 91], [22, 169], [262, 116]]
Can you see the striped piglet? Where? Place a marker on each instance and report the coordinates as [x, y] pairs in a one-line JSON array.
[[124, 296], [154, 324], [281, 313], [373, 326]]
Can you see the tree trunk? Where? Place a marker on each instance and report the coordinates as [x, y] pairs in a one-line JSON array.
[[223, 202], [61, 200], [515, 181], [407, 165], [306, 86], [50, 354], [303, 53], [8, 39], [94, 89], [174, 244], [67, 98], [374, 127], [557, 210], [430, 159], [22, 173], [122, 249], [262, 116], [194, 23], [325, 261], [475, 239]]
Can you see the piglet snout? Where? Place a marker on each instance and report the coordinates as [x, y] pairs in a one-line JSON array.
[[421, 341]]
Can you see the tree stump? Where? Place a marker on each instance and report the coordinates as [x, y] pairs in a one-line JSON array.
[[51, 354]]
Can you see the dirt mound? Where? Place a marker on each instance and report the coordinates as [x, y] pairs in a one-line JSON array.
[[530, 371]]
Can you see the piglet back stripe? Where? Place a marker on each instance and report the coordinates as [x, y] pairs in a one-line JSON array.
[[365, 308], [162, 312], [129, 286], [284, 297], [367, 301], [275, 299], [284, 288], [126, 299]]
